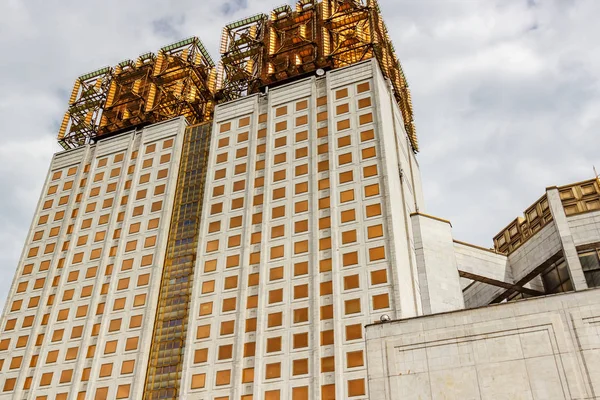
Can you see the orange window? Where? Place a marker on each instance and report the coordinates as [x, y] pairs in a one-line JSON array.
[[165, 158], [343, 124], [206, 308], [301, 120], [346, 177], [223, 142], [225, 127], [345, 158], [351, 282], [132, 343], [340, 94], [231, 282], [300, 315], [239, 169], [327, 338], [275, 296], [280, 111], [242, 137], [123, 284], [274, 344], [373, 210], [216, 208], [218, 190], [229, 304], [273, 371], [277, 252], [356, 387], [348, 215], [375, 231], [225, 352], [372, 190], [280, 126], [342, 109], [346, 195], [237, 203], [244, 122], [302, 206], [150, 241], [350, 259], [381, 301], [327, 364], [135, 321], [370, 171], [227, 328], [203, 332], [274, 319], [365, 119], [326, 312], [220, 174], [282, 141], [221, 158], [352, 306], [212, 245], [139, 300], [278, 212], [153, 223], [301, 136], [363, 103], [368, 152], [378, 277], [46, 379], [200, 355], [301, 291], [223, 377], [214, 226], [239, 185], [349, 236]]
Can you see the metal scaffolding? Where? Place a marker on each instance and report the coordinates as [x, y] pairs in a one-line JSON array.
[[165, 365], [179, 80], [261, 51], [241, 56], [183, 82], [126, 100], [81, 121], [293, 42]]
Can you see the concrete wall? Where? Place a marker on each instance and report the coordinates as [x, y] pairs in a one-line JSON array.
[[436, 262], [80, 313], [486, 264], [585, 228], [541, 348]]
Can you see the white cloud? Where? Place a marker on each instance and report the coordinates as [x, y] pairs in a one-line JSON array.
[[506, 93]]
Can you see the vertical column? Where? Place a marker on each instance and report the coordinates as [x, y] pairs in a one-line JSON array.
[[166, 353], [566, 239], [438, 270]]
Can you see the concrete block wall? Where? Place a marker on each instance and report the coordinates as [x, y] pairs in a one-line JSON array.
[[540, 348]]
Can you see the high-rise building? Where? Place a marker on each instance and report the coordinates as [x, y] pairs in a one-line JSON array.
[[228, 232]]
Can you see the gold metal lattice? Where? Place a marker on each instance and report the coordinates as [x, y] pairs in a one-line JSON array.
[[179, 81], [166, 353], [261, 51], [81, 121]]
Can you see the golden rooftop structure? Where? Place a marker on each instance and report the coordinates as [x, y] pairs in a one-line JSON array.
[[255, 229], [182, 80], [179, 81]]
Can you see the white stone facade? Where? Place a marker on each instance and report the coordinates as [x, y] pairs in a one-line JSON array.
[[542, 348], [79, 316], [312, 227], [304, 240]]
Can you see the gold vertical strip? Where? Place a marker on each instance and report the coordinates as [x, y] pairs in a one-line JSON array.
[[163, 376]]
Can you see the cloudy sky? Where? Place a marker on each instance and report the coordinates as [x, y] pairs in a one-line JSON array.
[[506, 93]]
